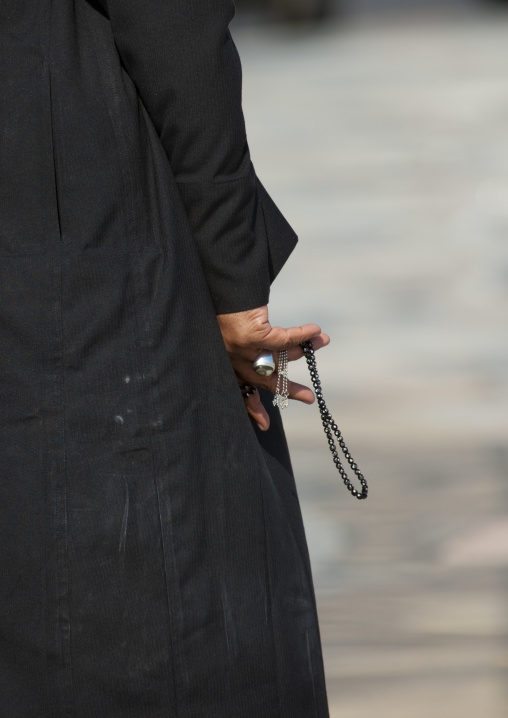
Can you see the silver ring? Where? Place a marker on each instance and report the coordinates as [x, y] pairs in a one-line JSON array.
[[264, 365]]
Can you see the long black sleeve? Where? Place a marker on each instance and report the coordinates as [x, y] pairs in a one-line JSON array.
[[183, 61]]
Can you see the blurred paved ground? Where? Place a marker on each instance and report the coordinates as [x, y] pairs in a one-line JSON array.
[[387, 146]]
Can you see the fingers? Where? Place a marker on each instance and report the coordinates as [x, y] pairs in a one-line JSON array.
[[296, 391], [246, 373], [283, 338], [318, 342], [257, 411], [246, 334], [279, 338], [296, 352], [299, 392]]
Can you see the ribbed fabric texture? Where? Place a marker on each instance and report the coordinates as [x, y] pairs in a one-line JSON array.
[[153, 560]]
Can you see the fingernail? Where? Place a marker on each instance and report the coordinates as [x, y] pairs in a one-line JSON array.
[[261, 427]]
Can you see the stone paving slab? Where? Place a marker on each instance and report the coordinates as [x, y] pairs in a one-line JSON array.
[[386, 144]]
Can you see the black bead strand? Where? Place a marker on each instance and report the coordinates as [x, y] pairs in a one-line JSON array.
[[331, 429]]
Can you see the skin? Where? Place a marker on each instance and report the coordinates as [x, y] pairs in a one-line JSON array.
[[246, 335]]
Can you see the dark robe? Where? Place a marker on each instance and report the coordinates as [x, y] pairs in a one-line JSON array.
[[152, 557]]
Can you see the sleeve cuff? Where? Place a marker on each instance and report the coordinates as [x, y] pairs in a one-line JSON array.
[[242, 237]]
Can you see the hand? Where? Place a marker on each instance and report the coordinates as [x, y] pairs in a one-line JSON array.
[[246, 335]]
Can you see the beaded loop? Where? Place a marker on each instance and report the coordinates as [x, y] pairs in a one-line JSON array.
[[247, 390], [331, 429]]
